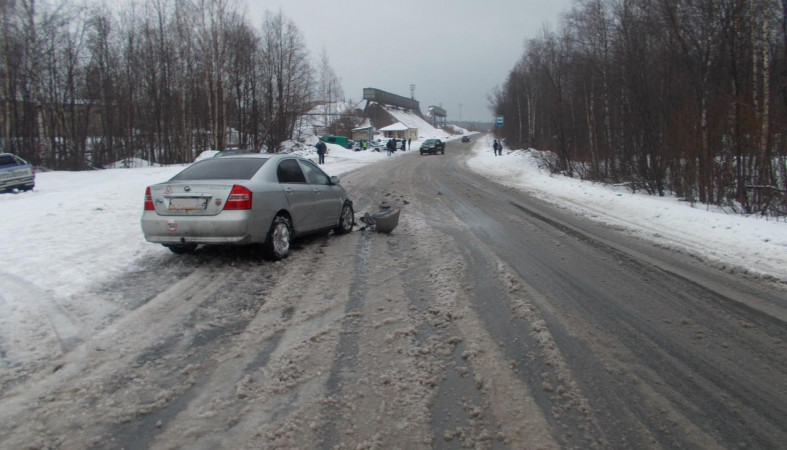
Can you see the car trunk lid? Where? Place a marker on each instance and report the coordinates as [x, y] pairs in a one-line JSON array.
[[190, 199]]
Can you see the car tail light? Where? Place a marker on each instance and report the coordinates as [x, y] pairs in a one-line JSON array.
[[149, 200], [240, 198]]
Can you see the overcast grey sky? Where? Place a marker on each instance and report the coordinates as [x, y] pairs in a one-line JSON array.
[[453, 51]]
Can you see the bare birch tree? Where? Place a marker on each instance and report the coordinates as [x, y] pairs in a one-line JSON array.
[[329, 89], [666, 95], [287, 79]]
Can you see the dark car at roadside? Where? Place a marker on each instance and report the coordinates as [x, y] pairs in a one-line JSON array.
[[433, 146]]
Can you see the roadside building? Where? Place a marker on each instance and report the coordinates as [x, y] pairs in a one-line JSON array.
[[399, 130], [365, 133]]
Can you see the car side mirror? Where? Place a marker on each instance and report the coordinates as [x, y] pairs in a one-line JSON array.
[[334, 179]]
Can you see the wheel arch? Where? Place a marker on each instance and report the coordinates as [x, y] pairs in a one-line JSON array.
[[284, 212]]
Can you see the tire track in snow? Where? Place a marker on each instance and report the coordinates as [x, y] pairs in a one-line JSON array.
[[20, 291], [347, 347]]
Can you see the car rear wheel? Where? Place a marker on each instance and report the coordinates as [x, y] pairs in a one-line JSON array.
[[346, 219], [277, 244], [181, 249]]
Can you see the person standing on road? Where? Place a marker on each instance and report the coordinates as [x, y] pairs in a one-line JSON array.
[[390, 146], [321, 149], [409, 143], [495, 146], [500, 147]]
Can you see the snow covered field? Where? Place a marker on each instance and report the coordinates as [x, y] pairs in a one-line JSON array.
[[79, 228]]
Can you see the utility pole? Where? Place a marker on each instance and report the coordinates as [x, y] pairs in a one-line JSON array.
[[460, 112], [412, 91]]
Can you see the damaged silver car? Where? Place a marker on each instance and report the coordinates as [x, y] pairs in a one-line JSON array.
[[245, 199]]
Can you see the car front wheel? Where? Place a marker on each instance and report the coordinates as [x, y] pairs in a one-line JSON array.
[[277, 244], [346, 219]]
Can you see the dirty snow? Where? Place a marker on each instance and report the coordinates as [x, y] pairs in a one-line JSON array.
[[753, 244]]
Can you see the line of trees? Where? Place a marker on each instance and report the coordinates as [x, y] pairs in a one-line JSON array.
[[86, 85], [681, 96]]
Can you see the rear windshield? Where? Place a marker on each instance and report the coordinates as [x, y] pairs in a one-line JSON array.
[[7, 160], [222, 169]]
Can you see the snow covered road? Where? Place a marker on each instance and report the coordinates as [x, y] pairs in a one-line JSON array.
[[488, 319]]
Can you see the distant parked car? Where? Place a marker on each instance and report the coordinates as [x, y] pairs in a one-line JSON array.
[[364, 144], [465, 138], [375, 146], [401, 144], [16, 173], [433, 146], [246, 199]]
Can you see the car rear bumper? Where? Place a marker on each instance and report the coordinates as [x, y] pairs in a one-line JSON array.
[[21, 182], [229, 227]]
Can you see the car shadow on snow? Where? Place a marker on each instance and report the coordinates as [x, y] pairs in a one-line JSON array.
[[253, 253]]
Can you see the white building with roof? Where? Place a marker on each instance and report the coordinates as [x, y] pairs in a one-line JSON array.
[[400, 131]]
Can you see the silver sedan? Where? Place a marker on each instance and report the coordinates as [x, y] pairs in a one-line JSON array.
[[245, 199]]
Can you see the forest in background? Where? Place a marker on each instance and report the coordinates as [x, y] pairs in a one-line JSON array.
[[687, 97], [87, 84]]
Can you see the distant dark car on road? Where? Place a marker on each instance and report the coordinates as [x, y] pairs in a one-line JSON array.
[[16, 173], [245, 199], [433, 146], [465, 138]]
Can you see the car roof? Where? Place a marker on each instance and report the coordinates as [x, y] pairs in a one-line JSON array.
[[273, 156], [248, 155], [6, 154]]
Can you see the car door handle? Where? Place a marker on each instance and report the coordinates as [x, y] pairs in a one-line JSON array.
[[317, 190], [288, 190]]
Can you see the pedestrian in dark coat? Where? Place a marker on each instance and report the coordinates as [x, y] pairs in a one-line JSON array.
[[409, 142], [391, 146], [321, 149], [496, 147]]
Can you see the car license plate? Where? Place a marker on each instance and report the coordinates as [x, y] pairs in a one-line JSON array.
[[187, 203]]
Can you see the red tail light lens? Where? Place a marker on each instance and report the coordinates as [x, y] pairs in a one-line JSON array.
[[149, 201], [240, 198]]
